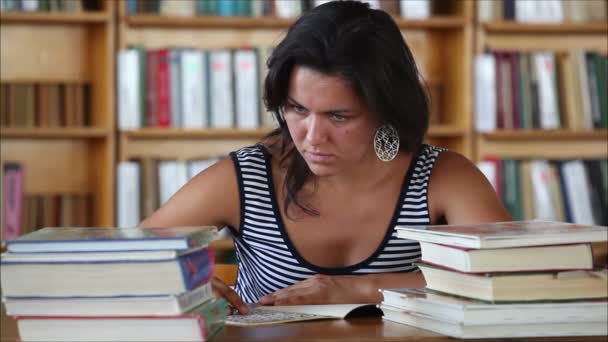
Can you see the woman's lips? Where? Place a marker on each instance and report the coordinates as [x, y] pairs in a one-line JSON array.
[[319, 157]]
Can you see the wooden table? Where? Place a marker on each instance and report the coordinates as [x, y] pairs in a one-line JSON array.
[[355, 329]]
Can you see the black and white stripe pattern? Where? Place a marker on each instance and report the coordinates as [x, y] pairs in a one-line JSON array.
[[267, 259]]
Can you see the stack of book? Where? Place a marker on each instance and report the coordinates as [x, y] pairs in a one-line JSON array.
[[104, 284], [506, 279]]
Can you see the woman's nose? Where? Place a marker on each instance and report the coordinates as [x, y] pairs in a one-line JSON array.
[[316, 131]]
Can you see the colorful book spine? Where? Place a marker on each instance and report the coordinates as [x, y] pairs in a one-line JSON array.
[[13, 195]]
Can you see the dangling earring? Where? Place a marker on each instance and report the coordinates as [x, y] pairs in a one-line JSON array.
[[386, 142]]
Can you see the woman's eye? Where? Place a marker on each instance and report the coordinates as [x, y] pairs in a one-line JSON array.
[[299, 110], [338, 117]]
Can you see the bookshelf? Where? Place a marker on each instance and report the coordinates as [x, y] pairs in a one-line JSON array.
[[560, 144], [67, 48], [441, 44]]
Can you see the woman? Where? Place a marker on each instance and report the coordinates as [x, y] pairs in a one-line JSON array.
[[314, 207]]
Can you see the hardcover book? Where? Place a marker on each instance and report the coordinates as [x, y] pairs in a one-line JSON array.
[[476, 312], [200, 324], [110, 277], [77, 239], [525, 286], [505, 234]]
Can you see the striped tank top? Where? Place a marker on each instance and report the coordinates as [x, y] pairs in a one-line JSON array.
[[267, 258]]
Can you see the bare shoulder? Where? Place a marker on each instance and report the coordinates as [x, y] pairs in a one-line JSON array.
[[459, 192], [209, 198]]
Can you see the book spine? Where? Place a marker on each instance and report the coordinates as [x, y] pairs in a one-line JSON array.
[[197, 267], [13, 194]]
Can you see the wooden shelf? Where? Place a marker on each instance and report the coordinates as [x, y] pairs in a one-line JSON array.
[[54, 133], [162, 133], [60, 18], [438, 131], [557, 28], [545, 135], [155, 20]]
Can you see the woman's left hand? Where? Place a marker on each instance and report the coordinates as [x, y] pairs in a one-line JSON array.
[[319, 289]]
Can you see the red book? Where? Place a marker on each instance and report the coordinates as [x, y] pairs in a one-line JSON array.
[[12, 196], [200, 324], [163, 88]]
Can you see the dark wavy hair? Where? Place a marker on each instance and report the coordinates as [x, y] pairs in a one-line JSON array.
[[364, 47]]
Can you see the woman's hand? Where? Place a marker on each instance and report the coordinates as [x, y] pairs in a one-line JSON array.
[[220, 289], [321, 289]]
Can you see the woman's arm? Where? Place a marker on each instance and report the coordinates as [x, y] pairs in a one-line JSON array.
[[211, 198], [324, 289], [459, 192]]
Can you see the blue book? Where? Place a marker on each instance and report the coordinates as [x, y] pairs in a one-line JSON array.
[[22, 276], [78, 239]]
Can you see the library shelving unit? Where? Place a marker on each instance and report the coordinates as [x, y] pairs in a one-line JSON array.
[[558, 144], [65, 48], [442, 46]]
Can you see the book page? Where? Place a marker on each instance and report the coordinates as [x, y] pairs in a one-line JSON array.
[[264, 315]]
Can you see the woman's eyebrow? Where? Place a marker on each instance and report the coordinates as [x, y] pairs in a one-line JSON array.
[[294, 102]]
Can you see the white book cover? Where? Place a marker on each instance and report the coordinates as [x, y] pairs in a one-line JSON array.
[[128, 194], [180, 8], [246, 89], [488, 169], [485, 93], [525, 10], [194, 89], [485, 10], [415, 9], [221, 97], [175, 87], [542, 192], [549, 110], [129, 110], [287, 8], [197, 166], [577, 190], [29, 5]]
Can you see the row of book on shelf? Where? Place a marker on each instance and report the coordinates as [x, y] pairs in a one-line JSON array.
[[107, 284], [508, 279], [278, 8], [44, 105], [542, 11], [568, 191], [144, 184], [546, 90], [192, 89], [68, 6], [25, 212]]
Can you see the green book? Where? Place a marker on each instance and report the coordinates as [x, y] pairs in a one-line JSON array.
[[511, 189]]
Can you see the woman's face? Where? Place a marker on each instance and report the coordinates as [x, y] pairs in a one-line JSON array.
[[330, 125]]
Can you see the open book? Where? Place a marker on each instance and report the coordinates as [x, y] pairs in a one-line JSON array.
[[264, 315]]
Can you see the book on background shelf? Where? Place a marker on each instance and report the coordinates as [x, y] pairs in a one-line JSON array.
[[505, 234], [468, 311], [199, 324], [12, 198], [97, 277], [267, 315], [518, 286], [530, 329], [518, 259], [77, 239], [137, 305]]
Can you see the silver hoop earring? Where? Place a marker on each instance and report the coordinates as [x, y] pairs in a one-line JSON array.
[[386, 142]]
